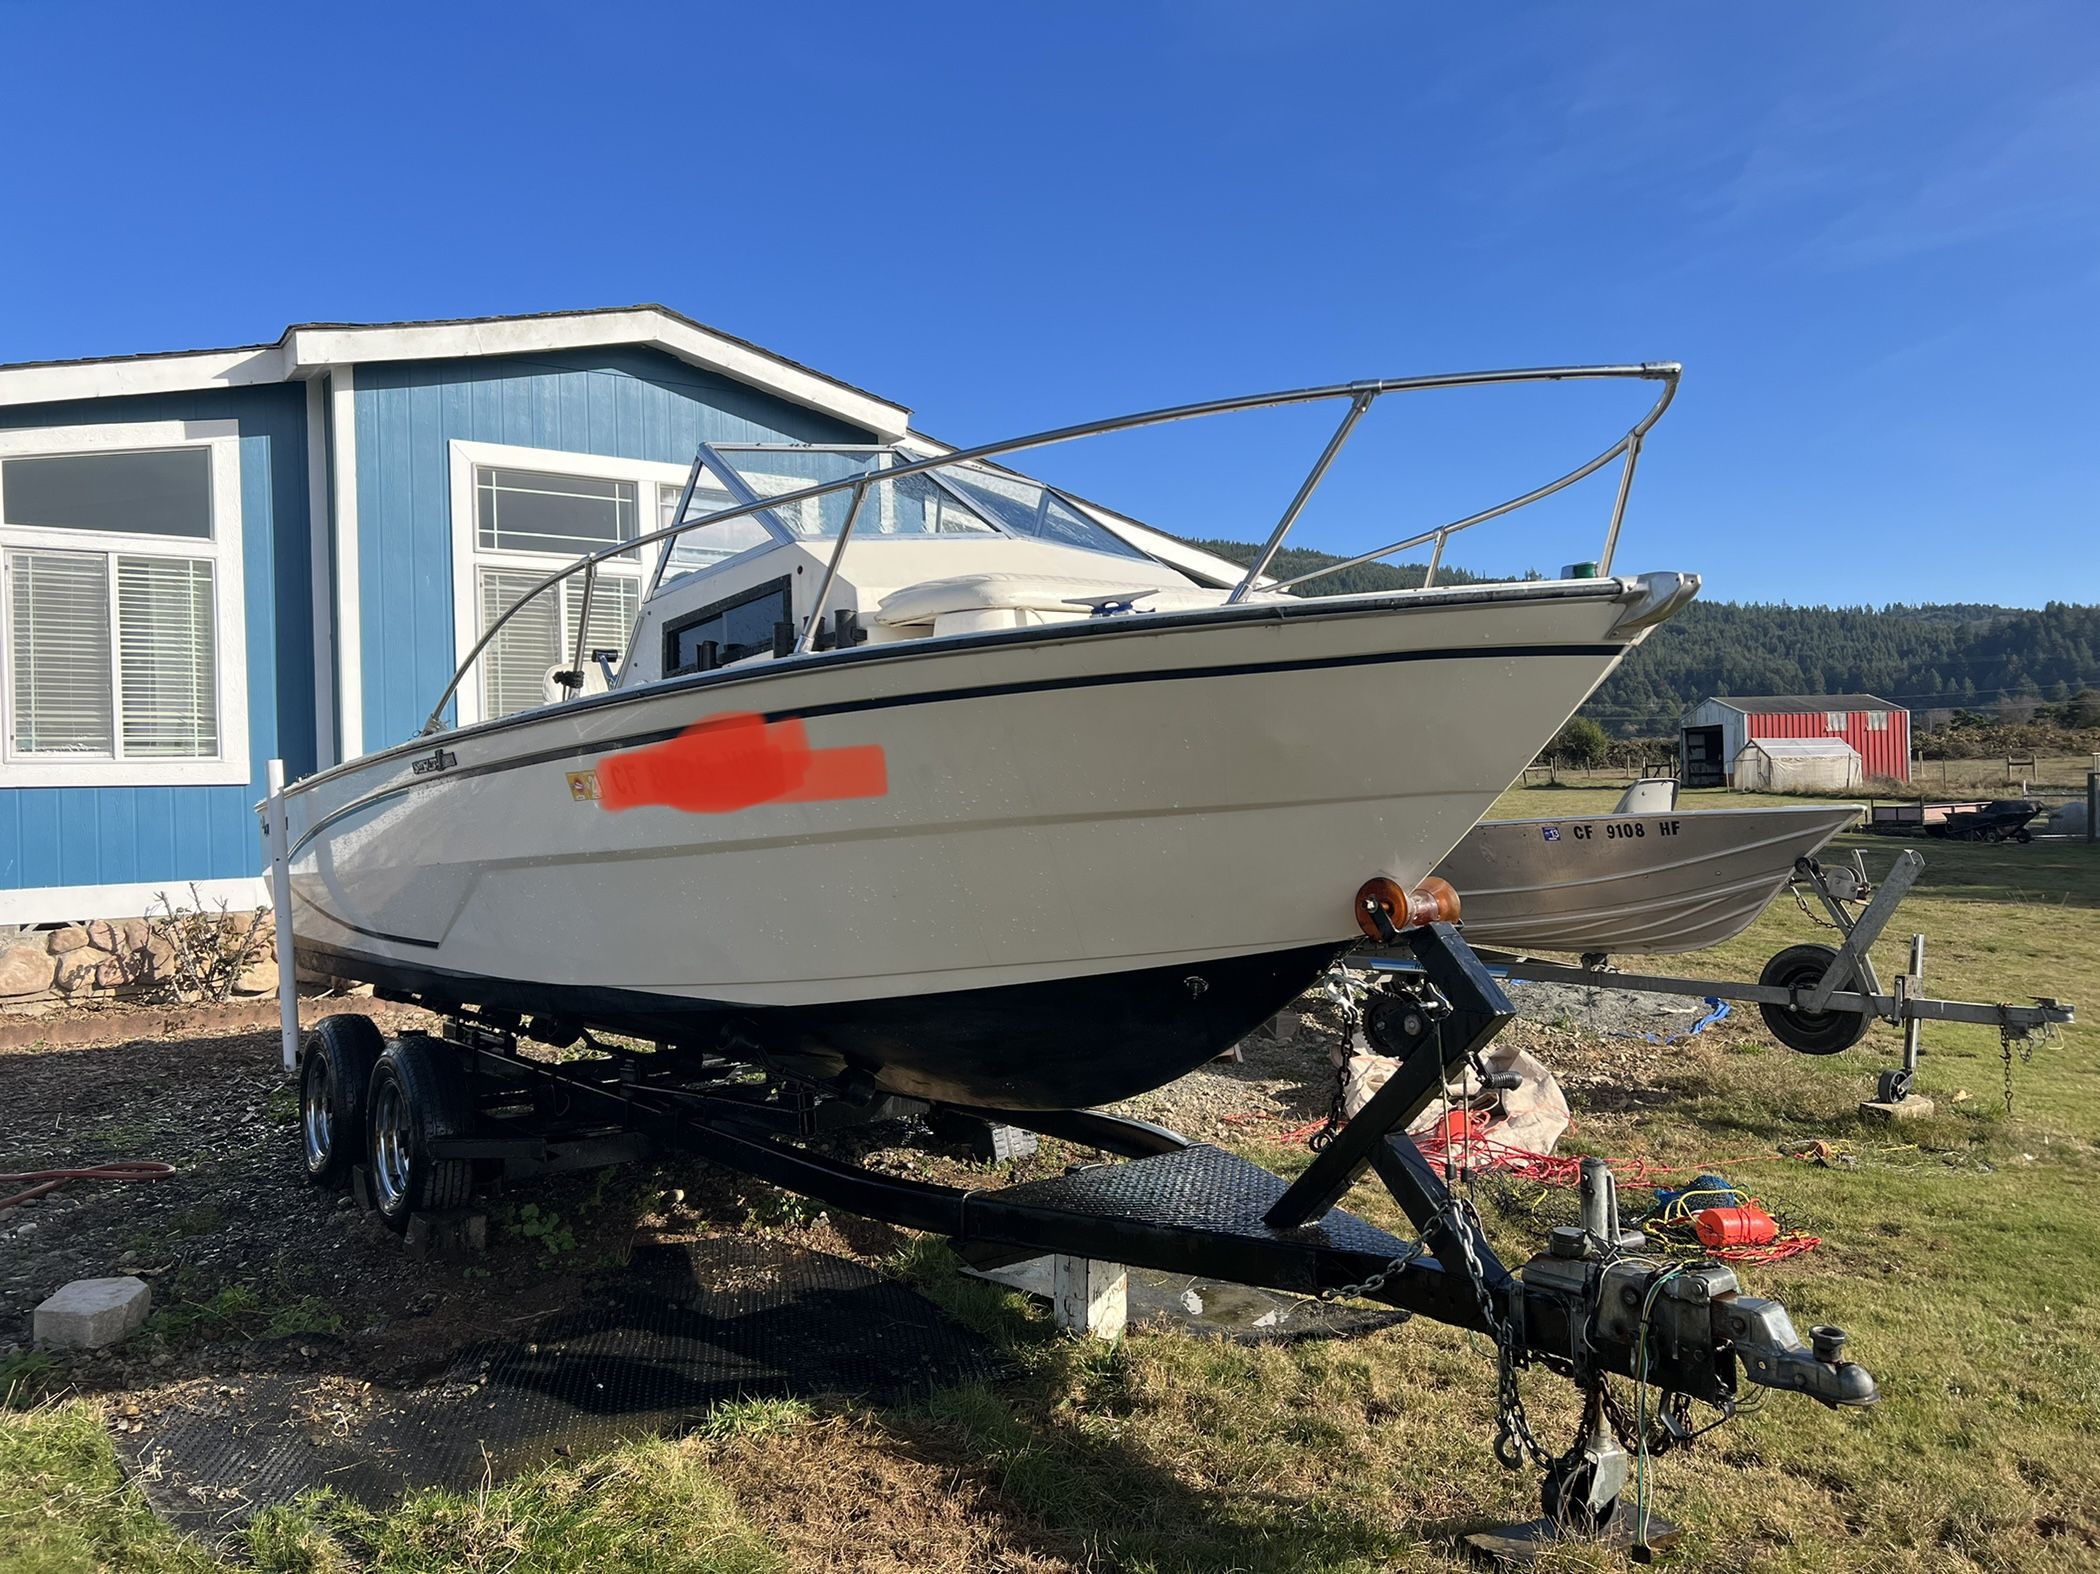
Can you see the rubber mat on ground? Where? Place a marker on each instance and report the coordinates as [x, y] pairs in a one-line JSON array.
[[650, 1351]]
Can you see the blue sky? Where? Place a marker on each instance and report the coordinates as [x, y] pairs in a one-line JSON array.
[[1870, 232]]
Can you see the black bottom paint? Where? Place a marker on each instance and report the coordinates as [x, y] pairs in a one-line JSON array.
[[1061, 1044]]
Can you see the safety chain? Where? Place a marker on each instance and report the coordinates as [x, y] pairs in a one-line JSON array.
[[1515, 1442], [1814, 917], [2006, 1035], [1377, 1281], [1342, 989], [1673, 1422], [1326, 1134]]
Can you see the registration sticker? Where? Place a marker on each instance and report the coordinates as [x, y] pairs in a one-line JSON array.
[[1550, 832], [583, 786]]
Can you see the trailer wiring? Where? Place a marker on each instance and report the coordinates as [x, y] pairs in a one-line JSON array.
[[44, 1182]]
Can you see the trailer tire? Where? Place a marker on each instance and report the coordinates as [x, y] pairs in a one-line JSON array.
[[335, 1073], [418, 1095], [1810, 1032]]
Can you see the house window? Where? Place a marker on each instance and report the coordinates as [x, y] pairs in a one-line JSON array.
[[1877, 721], [527, 523], [520, 514], [565, 515], [120, 547], [543, 635], [1834, 721]]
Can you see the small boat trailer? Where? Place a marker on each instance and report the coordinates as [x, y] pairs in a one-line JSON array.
[[425, 1114], [1818, 999]]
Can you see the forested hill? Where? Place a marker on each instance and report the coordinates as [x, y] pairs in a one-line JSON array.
[[1926, 657], [1941, 657]]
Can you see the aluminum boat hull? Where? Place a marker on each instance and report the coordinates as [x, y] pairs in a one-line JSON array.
[[1631, 884], [1102, 852]]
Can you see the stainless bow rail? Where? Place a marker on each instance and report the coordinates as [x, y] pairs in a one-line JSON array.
[[1360, 395]]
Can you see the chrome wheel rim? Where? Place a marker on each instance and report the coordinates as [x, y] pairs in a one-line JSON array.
[[317, 1112], [390, 1145]]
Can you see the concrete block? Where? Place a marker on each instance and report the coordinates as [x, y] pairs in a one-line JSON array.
[[90, 1313], [1088, 1297], [1913, 1107]]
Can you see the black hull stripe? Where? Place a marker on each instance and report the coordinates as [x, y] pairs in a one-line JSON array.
[[636, 740], [373, 934]]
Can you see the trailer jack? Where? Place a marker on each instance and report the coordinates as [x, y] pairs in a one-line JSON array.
[[1593, 1307]]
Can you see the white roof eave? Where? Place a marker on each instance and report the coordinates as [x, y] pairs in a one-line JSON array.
[[305, 351]]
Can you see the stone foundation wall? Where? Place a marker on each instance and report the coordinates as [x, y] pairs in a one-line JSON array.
[[122, 959]]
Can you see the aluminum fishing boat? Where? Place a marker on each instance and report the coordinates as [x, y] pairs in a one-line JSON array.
[[916, 774], [1645, 879]]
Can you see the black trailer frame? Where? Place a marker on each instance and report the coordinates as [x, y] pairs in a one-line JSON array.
[[1590, 1308]]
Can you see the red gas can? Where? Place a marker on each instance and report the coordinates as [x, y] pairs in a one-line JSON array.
[[1748, 1225]]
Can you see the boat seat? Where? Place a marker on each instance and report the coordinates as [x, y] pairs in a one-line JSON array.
[[1051, 597]]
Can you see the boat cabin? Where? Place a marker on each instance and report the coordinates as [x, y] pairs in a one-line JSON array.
[[960, 549]]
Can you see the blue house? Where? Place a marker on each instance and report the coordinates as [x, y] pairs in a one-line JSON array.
[[218, 557]]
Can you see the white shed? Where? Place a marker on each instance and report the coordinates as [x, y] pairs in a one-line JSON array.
[[1797, 765]]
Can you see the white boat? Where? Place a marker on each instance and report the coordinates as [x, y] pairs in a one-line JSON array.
[[935, 783], [1645, 879]]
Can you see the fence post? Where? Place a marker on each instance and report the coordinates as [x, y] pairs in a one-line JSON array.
[[2092, 806], [280, 845]]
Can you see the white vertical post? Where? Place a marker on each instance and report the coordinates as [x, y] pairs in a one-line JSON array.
[[1088, 1297], [280, 845]]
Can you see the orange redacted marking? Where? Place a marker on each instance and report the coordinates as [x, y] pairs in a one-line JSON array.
[[738, 761]]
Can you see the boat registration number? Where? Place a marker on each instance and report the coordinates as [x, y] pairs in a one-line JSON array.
[[1609, 830]]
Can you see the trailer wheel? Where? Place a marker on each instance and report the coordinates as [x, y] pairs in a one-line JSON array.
[[335, 1069], [1811, 1032], [418, 1095]]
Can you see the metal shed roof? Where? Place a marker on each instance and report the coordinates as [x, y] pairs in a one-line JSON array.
[[1768, 704]]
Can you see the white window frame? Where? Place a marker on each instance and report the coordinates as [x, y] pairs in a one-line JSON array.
[[469, 556], [229, 610]]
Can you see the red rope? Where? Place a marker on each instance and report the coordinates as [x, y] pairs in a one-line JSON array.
[[45, 1181], [1471, 1148]]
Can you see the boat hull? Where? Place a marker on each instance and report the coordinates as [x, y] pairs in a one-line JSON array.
[[1633, 884], [1095, 855]]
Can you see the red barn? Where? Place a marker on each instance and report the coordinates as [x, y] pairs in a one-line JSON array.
[[1717, 731]]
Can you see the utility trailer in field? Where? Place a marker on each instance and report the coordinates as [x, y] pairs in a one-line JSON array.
[[1818, 999]]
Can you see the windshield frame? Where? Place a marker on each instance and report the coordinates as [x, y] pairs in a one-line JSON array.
[[1123, 548]]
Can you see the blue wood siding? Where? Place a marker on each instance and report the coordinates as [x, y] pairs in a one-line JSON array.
[[122, 835], [636, 404]]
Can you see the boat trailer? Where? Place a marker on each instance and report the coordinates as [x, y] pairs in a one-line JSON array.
[[1818, 999], [441, 1109]]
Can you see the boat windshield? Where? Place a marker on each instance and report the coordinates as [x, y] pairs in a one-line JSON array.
[[954, 500]]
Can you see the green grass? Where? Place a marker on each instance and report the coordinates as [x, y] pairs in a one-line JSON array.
[[655, 1508], [240, 1311], [1959, 1252], [64, 1509]]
